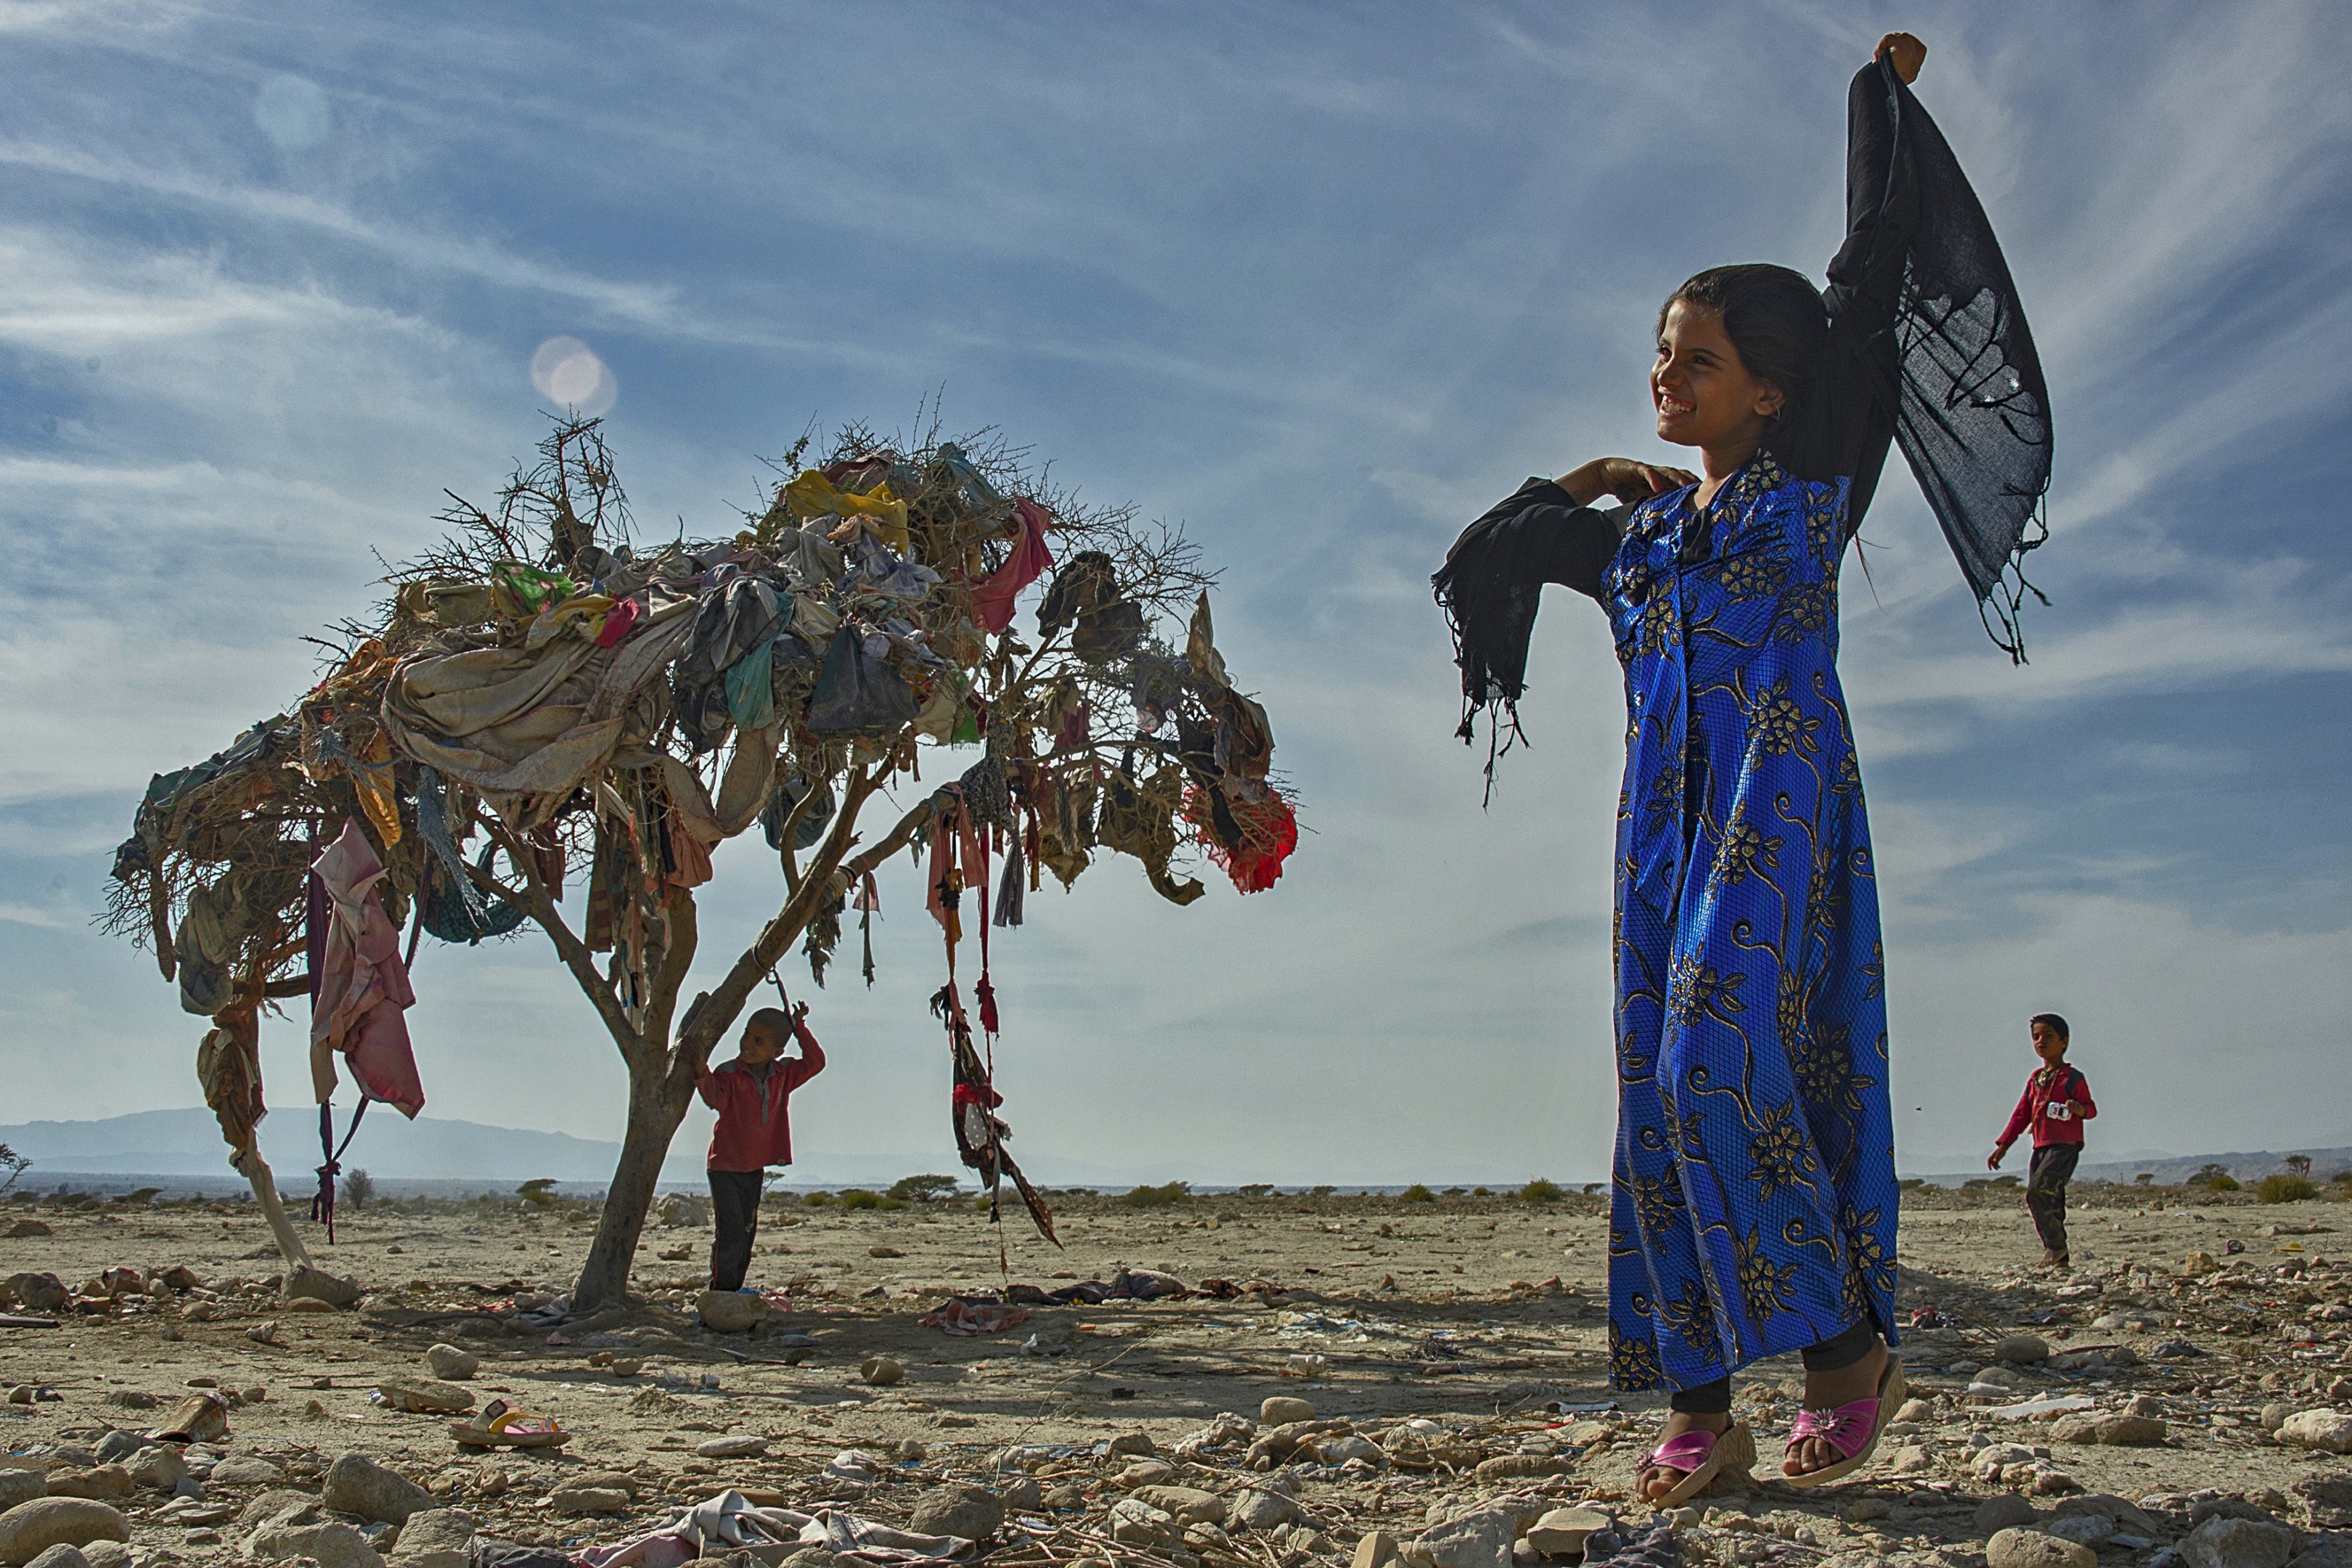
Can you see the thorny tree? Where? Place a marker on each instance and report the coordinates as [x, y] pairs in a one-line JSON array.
[[602, 711]]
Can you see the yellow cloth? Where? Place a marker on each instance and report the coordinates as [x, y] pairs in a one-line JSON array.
[[813, 495]]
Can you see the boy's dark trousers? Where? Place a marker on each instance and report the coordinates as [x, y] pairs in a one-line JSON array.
[[2045, 1191], [735, 1204]]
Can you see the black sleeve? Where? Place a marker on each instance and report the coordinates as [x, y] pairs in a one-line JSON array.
[[1492, 580], [1848, 421]]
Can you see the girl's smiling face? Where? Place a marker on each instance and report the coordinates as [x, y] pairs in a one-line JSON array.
[[1701, 390]]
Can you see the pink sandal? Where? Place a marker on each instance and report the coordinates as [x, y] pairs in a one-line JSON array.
[[1852, 1429], [1699, 1457]]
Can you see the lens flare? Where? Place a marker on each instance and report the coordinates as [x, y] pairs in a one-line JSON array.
[[292, 111], [568, 373]]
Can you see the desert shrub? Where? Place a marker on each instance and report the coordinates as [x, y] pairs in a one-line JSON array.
[[2224, 1182], [820, 1200], [923, 1189], [1266, 1189], [1417, 1194], [859, 1198], [1161, 1196], [1911, 1183], [2286, 1188], [1542, 1190], [359, 1188]]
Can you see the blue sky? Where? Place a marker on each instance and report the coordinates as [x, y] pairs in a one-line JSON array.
[[1320, 282]]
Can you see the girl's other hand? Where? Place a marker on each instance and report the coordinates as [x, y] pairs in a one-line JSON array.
[[1622, 478], [1907, 53]]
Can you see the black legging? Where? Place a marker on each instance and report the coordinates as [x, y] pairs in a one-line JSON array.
[[1833, 1355], [735, 1206]]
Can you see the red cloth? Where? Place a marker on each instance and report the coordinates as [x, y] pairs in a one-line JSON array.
[[755, 1127], [2047, 1087], [362, 984], [992, 602]]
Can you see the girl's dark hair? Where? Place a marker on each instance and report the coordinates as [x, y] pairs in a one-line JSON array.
[[1773, 316]]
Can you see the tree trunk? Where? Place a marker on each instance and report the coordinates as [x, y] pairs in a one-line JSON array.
[[255, 1170], [657, 1102]]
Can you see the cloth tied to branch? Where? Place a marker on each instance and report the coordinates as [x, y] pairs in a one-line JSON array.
[[362, 984]]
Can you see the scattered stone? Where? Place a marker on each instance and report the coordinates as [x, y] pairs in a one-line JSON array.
[[730, 1311], [1915, 1410], [589, 1499], [2273, 1416], [1130, 1442], [32, 1528], [738, 1445], [309, 1304], [358, 1485], [880, 1370], [1521, 1466], [2021, 1350], [1996, 1515], [452, 1364], [435, 1538], [106, 1554], [425, 1395], [101, 1482], [1146, 1473], [2328, 1431], [2125, 1514], [1186, 1505], [36, 1292], [30, 1228], [1026, 1496], [1377, 1549], [1263, 1504], [61, 1556], [884, 1251], [281, 1506], [2019, 1547], [20, 1486], [158, 1466], [2223, 1543], [2083, 1529], [1281, 1409], [975, 1513], [1481, 1539], [330, 1545], [2115, 1428], [1563, 1531], [308, 1284], [246, 1471]]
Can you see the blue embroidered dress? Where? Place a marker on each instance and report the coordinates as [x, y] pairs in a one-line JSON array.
[[1753, 1206], [1754, 1203]]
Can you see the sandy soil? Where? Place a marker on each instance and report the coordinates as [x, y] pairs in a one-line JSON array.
[[1469, 1314]]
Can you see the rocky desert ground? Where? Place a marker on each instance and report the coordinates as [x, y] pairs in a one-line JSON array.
[[1417, 1381]]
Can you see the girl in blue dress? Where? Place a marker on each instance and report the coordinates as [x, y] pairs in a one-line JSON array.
[[1753, 1203]]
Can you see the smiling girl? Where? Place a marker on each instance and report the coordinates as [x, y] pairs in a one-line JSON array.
[[1753, 1205]]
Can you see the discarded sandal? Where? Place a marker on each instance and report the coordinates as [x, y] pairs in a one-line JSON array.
[[503, 1425], [1700, 1457], [1852, 1429]]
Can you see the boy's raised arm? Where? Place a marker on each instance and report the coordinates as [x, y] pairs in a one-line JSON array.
[[811, 1061]]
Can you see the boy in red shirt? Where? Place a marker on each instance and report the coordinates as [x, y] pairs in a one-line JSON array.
[[751, 1095], [2056, 1102]]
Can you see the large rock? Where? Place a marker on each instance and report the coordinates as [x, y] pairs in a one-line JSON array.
[[330, 1545], [2328, 1431], [280, 1505], [589, 1499], [435, 1538], [21, 1486], [730, 1311], [1134, 1522], [972, 1512], [357, 1484], [37, 1292], [735, 1445], [2021, 1548], [2127, 1514], [32, 1528], [451, 1363], [2021, 1350], [25, 1228], [61, 1556], [2221, 1542], [308, 1284], [1281, 1409], [1481, 1539]]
